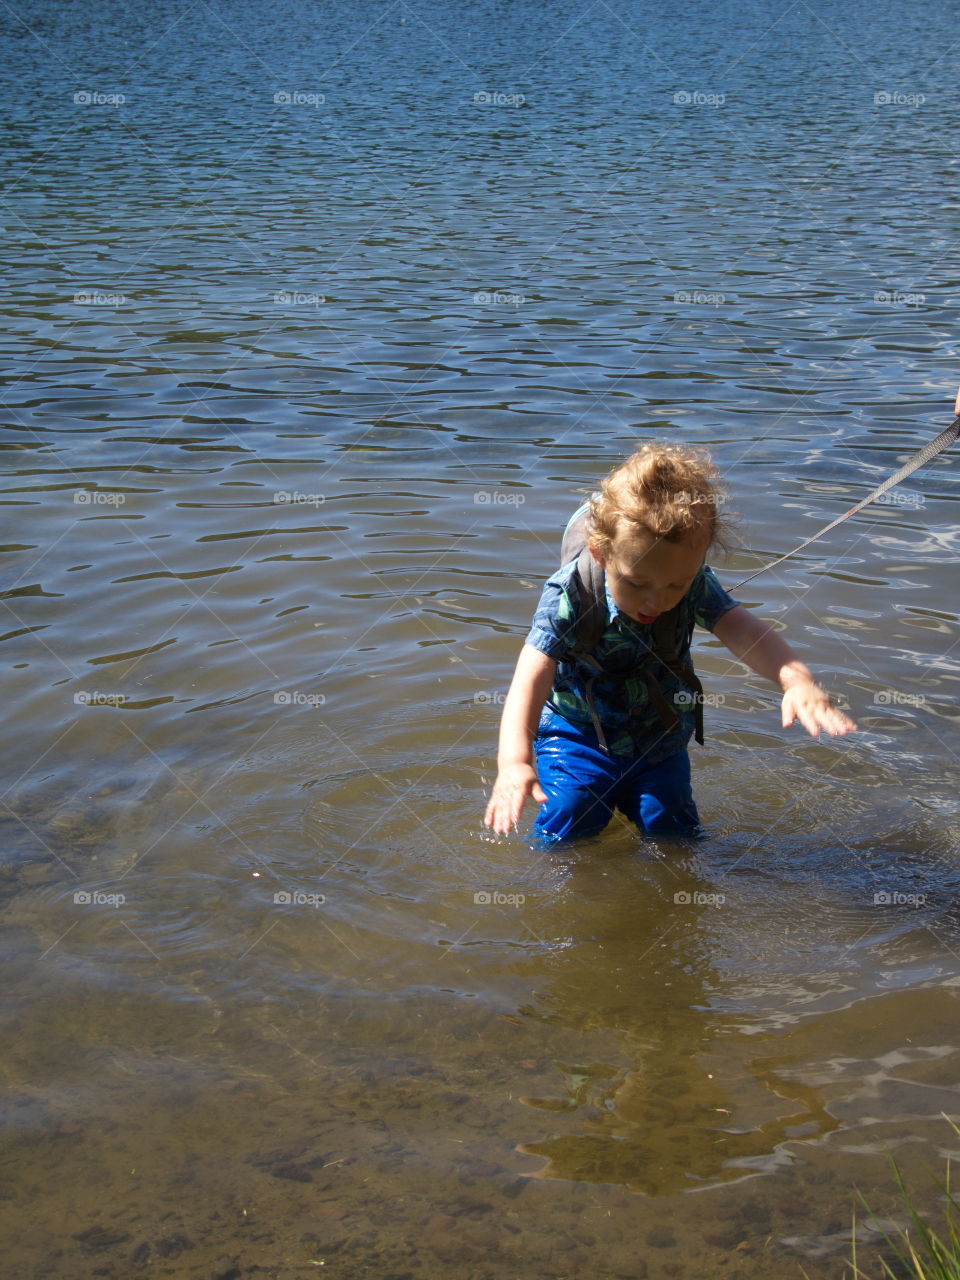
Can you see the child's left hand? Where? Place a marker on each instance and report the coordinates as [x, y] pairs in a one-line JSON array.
[[811, 705]]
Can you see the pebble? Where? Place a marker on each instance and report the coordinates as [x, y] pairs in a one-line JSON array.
[[334, 1212], [101, 1237]]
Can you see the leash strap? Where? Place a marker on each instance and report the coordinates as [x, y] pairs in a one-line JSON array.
[[935, 446]]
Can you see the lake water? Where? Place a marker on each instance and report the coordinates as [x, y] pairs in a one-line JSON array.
[[319, 321]]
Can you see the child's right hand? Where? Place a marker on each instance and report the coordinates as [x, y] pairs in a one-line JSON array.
[[514, 783]]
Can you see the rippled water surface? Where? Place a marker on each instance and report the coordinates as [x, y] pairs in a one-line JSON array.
[[319, 321]]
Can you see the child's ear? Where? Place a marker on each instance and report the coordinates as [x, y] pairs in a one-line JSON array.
[[596, 555]]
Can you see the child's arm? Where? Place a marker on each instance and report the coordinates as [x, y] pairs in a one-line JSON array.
[[516, 776], [747, 637]]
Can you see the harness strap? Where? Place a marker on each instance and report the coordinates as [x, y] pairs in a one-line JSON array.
[[929, 450], [591, 582], [594, 715], [668, 715]]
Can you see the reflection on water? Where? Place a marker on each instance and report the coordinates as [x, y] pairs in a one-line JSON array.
[[310, 354]]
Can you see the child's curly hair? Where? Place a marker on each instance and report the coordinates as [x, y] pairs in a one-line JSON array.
[[667, 490]]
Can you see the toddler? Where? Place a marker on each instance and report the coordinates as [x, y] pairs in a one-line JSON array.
[[607, 710]]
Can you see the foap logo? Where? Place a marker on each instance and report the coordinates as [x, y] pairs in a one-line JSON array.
[[498, 498], [291, 298], [894, 698], [298, 898], [483, 99], [496, 298], [886, 99], [298, 98], [494, 898], [98, 498], [489, 698], [84, 698], [297, 499], [688, 698], [96, 898], [684, 898], [893, 898], [92, 98], [295, 698], [698, 498], [698, 99], [700, 297], [98, 298], [901, 498], [899, 298]]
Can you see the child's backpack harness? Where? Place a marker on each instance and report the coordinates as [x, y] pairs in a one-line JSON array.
[[667, 640]]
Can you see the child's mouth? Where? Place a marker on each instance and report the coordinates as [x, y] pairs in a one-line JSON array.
[[647, 619]]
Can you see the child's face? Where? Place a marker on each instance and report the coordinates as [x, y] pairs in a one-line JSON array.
[[648, 575]]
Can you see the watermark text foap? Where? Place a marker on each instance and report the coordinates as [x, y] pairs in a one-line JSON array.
[[688, 698], [895, 698], [893, 898], [493, 897], [905, 498], [298, 98], [98, 498], [696, 498], [895, 99], [84, 698], [96, 898], [498, 298], [698, 99], [700, 297], [696, 898], [899, 298], [98, 298], [92, 98], [297, 499], [295, 698], [298, 898], [484, 99], [498, 498], [293, 298]]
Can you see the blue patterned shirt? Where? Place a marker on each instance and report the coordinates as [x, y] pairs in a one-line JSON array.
[[630, 723]]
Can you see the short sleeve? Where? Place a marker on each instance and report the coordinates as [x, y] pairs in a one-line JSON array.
[[709, 600], [554, 623]]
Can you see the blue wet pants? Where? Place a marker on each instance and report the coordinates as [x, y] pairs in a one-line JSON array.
[[584, 785]]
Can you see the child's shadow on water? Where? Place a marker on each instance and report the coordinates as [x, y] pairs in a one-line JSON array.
[[690, 951]]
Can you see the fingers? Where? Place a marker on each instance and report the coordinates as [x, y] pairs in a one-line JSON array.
[[824, 715], [807, 717], [816, 714], [507, 801], [836, 723], [503, 811]]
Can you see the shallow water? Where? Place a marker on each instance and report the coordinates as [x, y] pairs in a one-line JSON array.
[[298, 396]]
